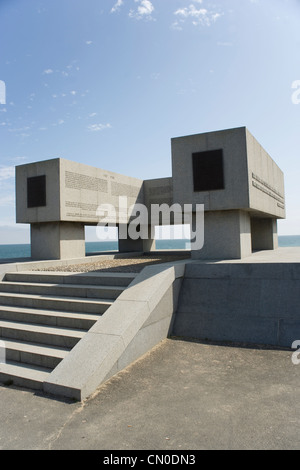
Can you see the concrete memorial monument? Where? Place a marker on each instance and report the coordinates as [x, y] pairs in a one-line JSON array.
[[227, 172], [107, 320]]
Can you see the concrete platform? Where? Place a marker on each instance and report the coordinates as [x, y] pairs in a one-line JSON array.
[[280, 255], [182, 395]]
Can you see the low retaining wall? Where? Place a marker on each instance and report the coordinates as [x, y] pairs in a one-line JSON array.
[[253, 303]]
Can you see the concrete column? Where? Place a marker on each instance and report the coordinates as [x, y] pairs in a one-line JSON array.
[[57, 240], [227, 235], [275, 234], [143, 245], [264, 233]]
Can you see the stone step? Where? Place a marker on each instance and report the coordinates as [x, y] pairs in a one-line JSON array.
[[62, 290], [34, 353], [30, 332], [65, 319], [48, 302], [90, 278], [44, 315], [23, 375]]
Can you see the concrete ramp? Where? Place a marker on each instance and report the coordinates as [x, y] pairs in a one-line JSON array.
[[139, 319]]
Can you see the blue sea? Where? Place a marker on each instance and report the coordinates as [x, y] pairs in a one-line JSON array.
[[23, 251]]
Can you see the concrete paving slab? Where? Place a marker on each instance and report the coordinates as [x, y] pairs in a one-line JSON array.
[[181, 395]]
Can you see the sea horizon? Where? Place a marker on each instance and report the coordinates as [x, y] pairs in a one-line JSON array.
[[22, 250]]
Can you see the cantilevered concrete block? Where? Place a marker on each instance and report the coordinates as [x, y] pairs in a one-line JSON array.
[[241, 187]]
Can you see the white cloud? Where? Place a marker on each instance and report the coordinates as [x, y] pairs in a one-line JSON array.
[[224, 44], [19, 129], [57, 123], [145, 7], [176, 25], [117, 6], [8, 200], [16, 160], [155, 76], [143, 11], [199, 16], [48, 71], [89, 42], [98, 127], [7, 172]]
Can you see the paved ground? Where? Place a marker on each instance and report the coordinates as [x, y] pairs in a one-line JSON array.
[[281, 255], [181, 396]]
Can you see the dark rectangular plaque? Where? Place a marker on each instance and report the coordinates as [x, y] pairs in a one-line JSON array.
[[208, 171], [36, 191]]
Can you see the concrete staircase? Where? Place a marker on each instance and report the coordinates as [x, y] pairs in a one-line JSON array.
[[43, 315]]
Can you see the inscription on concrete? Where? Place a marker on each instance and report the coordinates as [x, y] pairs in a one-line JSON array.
[[88, 208], [260, 184], [79, 181], [124, 190]]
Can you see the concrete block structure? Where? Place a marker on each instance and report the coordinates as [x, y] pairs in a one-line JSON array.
[[228, 172], [241, 187], [66, 333]]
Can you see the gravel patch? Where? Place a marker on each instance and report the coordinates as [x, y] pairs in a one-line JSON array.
[[132, 265]]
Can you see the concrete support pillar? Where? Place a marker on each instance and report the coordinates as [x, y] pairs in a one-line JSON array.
[[57, 240], [264, 233], [227, 235], [128, 244]]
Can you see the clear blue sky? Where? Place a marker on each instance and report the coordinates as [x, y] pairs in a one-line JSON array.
[[110, 82]]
